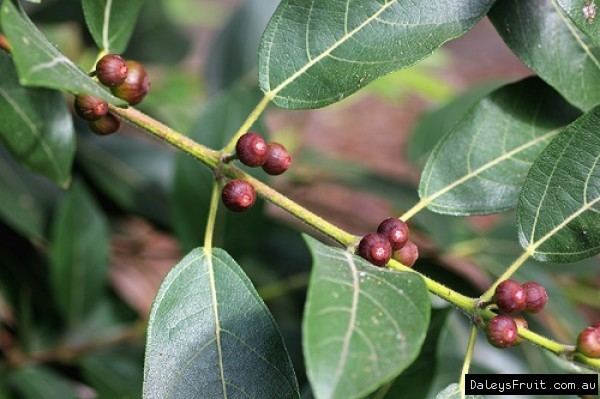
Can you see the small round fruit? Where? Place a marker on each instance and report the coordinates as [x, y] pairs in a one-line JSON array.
[[278, 160], [90, 108], [111, 70], [588, 342], [136, 85], [375, 248], [535, 297], [502, 331], [252, 150], [521, 323], [106, 125], [395, 230], [238, 195], [408, 254], [510, 297]]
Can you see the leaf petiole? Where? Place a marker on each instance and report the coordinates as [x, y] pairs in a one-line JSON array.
[[468, 358], [212, 217]]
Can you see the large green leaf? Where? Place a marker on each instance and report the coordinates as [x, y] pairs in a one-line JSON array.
[[79, 254], [559, 205], [584, 13], [111, 22], [211, 336], [363, 325], [314, 53], [480, 165], [549, 43], [39, 63], [36, 126]]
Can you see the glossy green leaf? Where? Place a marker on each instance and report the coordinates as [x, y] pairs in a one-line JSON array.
[[480, 165], [111, 22], [548, 42], [315, 53], [210, 335], [559, 205], [38, 382], [452, 391], [362, 326], [133, 172], [36, 126], [584, 13], [192, 181], [39, 63], [79, 254], [434, 124]]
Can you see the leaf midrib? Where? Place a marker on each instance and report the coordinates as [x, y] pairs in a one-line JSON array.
[[534, 245], [428, 199], [105, 25], [213, 294], [351, 322], [573, 30], [273, 92]]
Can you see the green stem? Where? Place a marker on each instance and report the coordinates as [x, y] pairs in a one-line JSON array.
[[211, 159], [418, 207], [512, 269], [461, 301], [205, 155], [565, 351], [468, 358], [212, 217], [308, 217], [253, 117]]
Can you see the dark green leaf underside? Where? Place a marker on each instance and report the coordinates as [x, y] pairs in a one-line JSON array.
[[211, 336], [480, 166], [558, 213], [362, 326]]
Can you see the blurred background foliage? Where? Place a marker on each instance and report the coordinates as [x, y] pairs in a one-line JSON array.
[[79, 269]]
